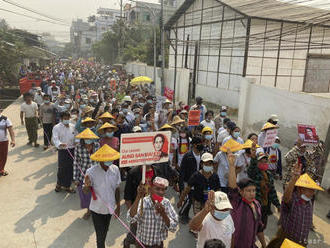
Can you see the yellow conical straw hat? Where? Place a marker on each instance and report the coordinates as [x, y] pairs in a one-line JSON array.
[[306, 181], [106, 115], [105, 126], [290, 244], [88, 119], [104, 154], [87, 134], [166, 126], [268, 125], [248, 144], [231, 144]]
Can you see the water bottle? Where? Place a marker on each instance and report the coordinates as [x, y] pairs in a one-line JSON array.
[[206, 193]]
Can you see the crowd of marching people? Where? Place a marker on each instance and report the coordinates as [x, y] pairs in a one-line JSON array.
[[228, 180]]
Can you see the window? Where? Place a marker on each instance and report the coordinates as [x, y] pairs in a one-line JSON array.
[[88, 41]]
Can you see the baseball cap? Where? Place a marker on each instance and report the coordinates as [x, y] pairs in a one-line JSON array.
[[137, 129], [262, 155], [207, 157], [221, 201]]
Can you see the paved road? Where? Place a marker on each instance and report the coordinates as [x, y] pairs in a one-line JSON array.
[[33, 215]]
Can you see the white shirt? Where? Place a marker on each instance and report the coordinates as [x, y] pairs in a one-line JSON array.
[[4, 124], [223, 167], [222, 135], [216, 229], [39, 98], [30, 110], [64, 135], [243, 161], [198, 160], [104, 184]]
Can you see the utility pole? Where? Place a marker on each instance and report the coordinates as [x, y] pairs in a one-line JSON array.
[[162, 43], [155, 46], [120, 28]]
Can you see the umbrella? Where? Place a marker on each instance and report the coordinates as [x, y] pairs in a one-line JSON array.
[[141, 80]]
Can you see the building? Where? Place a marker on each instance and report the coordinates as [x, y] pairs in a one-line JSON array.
[[104, 20], [272, 43], [143, 12], [82, 35]]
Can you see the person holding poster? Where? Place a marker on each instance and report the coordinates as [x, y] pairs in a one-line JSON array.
[[275, 159], [262, 136], [265, 189], [154, 214], [307, 133], [200, 106]]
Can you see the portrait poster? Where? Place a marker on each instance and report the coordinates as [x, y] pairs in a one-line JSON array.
[[270, 137], [307, 133]]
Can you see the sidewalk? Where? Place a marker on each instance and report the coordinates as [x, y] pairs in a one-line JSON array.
[[33, 215]]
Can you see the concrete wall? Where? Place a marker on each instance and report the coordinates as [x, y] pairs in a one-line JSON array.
[[182, 78], [258, 102]]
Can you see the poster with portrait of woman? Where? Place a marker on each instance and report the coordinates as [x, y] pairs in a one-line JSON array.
[[144, 148], [307, 133]]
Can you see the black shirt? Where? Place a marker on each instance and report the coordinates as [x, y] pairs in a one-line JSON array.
[[201, 184]]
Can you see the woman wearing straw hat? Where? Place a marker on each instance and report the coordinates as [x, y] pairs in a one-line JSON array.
[[107, 132], [88, 145], [104, 178]]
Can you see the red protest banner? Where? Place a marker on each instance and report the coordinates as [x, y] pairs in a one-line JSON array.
[[169, 93], [307, 133], [194, 117]]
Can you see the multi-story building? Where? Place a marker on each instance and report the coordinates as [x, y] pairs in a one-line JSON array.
[[104, 20]]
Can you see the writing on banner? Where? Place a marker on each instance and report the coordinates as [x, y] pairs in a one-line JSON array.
[[194, 117], [270, 137], [307, 133], [144, 148], [169, 93]]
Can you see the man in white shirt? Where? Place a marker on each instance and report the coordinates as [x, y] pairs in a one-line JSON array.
[[5, 124], [214, 220], [103, 180], [29, 114], [64, 137]]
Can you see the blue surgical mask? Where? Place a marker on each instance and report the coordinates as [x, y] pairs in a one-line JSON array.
[[66, 122], [208, 168], [221, 215], [208, 137], [109, 135], [149, 101], [89, 141], [276, 146], [46, 101], [108, 163], [223, 114], [236, 134], [305, 198], [82, 106]]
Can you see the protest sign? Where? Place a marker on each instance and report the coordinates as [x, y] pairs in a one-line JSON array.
[[194, 117], [270, 137], [160, 102], [144, 148], [169, 93], [307, 133]]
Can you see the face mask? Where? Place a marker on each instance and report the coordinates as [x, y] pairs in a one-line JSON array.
[[263, 166], [305, 198], [157, 198], [137, 116], [276, 146], [223, 114], [208, 168], [108, 163], [220, 215], [200, 147], [92, 101], [141, 104], [82, 106], [208, 137], [89, 141], [66, 122], [236, 134], [149, 101], [47, 101], [125, 111], [183, 135], [109, 135]]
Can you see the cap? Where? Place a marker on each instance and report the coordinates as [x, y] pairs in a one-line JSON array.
[[67, 101], [84, 97], [104, 154], [159, 181], [274, 117], [290, 244], [199, 98], [224, 108], [167, 101], [221, 201], [166, 126], [88, 119], [177, 120], [248, 144], [137, 129], [105, 126], [268, 125], [306, 181], [106, 115], [127, 99], [207, 129], [262, 155], [231, 144], [207, 157], [87, 134]]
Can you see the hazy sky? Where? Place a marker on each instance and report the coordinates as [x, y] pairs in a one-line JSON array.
[[71, 9]]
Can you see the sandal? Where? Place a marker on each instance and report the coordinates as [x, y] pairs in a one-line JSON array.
[[4, 173], [86, 216], [70, 190], [58, 188]]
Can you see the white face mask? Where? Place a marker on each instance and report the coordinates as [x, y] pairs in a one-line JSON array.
[[305, 198]]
